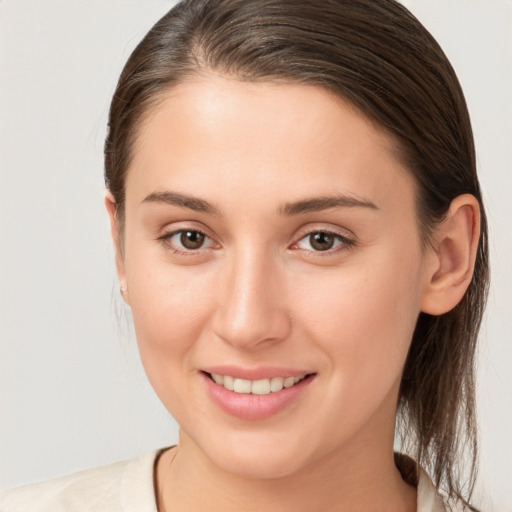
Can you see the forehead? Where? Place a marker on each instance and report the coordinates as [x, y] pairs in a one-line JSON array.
[[218, 136]]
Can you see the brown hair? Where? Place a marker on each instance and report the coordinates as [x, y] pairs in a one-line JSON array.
[[376, 55]]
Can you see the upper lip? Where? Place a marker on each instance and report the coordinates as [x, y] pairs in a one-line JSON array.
[[255, 372]]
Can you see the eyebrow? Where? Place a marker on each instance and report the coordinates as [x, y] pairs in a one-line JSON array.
[[182, 200], [316, 204], [313, 204]]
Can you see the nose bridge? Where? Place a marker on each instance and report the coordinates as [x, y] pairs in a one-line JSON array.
[[250, 308]]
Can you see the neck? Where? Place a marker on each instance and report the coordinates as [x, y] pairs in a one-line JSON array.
[[358, 479]]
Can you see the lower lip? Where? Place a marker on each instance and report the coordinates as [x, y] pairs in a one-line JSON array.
[[247, 406]]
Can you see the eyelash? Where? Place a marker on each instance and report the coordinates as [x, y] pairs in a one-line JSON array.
[[345, 243]]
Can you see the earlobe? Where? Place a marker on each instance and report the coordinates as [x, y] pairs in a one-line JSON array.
[[450, 267], [110, 205]]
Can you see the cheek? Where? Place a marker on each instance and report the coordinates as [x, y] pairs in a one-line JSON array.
[[363, 320], [170, 307]]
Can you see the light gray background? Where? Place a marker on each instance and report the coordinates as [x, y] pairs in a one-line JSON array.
[[72, 392]]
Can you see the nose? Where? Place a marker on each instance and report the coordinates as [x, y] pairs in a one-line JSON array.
[[251, 309]]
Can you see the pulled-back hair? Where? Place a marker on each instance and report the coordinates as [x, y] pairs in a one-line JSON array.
[[376, 55]]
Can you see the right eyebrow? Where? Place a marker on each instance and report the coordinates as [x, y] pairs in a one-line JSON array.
[[316, 204], [184, 201]]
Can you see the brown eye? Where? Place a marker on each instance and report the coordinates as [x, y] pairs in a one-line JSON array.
[[187, 242], [192, 239], [321, 241]]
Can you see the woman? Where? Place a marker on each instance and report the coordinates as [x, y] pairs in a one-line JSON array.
[[301, 239]]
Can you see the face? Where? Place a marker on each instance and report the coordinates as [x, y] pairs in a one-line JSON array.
[[271, 244]]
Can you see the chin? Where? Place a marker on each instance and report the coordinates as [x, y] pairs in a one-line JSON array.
[[260, 466], [257, 456]]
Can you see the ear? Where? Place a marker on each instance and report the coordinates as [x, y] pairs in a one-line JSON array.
[[110, 205], [452, 260]]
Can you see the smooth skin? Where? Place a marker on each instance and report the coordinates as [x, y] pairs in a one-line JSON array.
[[304, 252]]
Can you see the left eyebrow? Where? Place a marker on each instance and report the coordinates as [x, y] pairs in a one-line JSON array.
[[316, 204], [184, 201]]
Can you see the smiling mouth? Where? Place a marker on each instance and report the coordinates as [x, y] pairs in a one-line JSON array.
[[257, 387]]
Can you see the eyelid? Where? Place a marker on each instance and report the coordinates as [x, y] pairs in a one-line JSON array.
[[324, 227], [172, 228]]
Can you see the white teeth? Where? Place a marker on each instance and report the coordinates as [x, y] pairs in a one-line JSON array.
[[256, 387], [289, 382], [276, 384], [219, 379], [242, 386], [261, 387], [229, 382]]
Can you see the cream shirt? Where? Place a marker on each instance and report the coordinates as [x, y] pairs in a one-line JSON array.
[[128, 487]]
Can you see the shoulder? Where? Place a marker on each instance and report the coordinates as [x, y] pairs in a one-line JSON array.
[[428, 498], [122, 486]]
